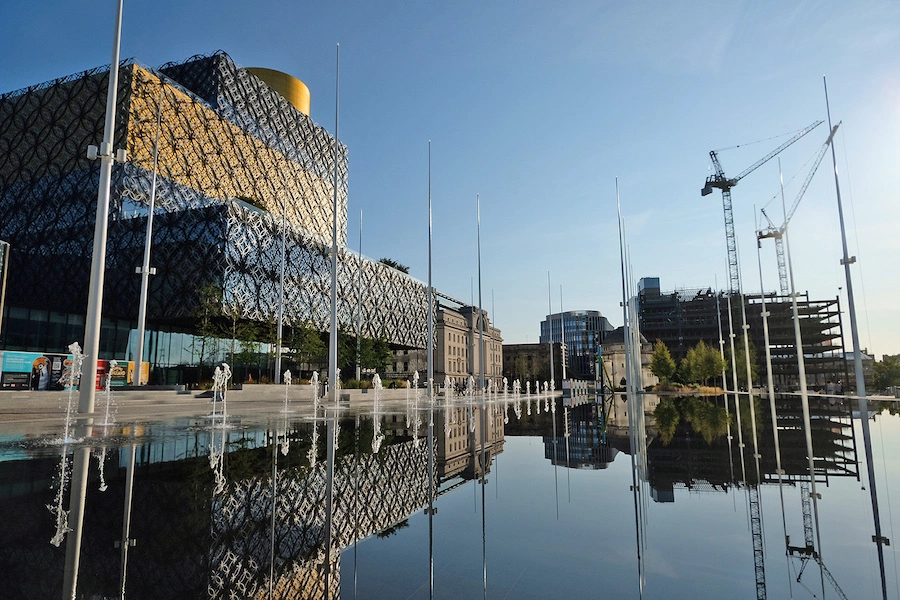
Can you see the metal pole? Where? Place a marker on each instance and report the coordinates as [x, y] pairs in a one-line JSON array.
[[480, 311], [126, 519], [98, 257], [146, 271], [857, 363], [801, 367], [431, 483], [359, 304], [280, 329], [430, 345], [332, 350], [550, 326], [769, 379], [77, 499], [564, 352]]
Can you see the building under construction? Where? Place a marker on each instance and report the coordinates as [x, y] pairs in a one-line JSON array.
[[682, 318]]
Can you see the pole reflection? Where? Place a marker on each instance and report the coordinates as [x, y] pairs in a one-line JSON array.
[[262, 526]]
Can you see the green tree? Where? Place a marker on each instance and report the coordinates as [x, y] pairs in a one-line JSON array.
[[741, 363], [306, 345], [667, 418], [346, 352], [713, 364], [706, 418], [205, 343], [394, 265], [887, 372], [662, 364], [241, 334], [701, 363], [379, 354]]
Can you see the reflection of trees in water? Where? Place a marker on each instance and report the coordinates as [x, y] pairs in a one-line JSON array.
[[704, 415], [667, 419]]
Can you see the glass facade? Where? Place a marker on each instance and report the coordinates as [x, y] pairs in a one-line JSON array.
[[240, 170], [585, 331]]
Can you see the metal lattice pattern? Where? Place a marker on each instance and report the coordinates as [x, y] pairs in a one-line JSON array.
[[236, 161], [372, 493]]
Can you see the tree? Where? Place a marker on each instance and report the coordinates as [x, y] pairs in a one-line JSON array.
[[701, 363], [662, 364], [706, 418], [306, 345], [241, 333], [394, 265], [204, 343], [887, 372], [378, 355], [667, 418], [741, 363]]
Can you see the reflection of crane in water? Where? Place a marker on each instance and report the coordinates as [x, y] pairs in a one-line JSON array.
[[809, 551]]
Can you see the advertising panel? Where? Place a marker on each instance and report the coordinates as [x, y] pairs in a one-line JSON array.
[[43, 371], [31, 370]]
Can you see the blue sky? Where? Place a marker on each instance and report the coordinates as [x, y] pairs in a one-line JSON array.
[[538, 107]]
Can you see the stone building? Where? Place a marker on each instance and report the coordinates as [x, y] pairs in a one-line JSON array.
[[457, 346]]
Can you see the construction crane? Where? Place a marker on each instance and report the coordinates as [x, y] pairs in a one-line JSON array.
[[719, 180], [778, 232]]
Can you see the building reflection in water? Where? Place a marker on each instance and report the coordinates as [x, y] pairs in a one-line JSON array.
[[254, 525], [259, 531], [690, 449]]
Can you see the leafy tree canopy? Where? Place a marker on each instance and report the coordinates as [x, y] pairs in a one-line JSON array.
[[662, 364], [394, 265], [887, 372]]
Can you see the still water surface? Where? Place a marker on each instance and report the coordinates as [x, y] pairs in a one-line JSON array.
[[529, 499]]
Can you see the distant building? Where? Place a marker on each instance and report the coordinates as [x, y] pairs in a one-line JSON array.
[[614, 360], [848, 384], [531, 362], [457, 346], [584, 333], [583, 443], [682, 318]]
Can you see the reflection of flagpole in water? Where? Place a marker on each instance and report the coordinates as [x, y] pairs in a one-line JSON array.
[[274, 511], [126, 541], [356, 510], [725, 385], [555, 463], [771, 390], [629, 395], [79, 477], [737, 397], [804, 397], [77, 497]]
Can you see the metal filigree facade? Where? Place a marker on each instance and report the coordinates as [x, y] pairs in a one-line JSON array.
[[237, 165], [372, 492]]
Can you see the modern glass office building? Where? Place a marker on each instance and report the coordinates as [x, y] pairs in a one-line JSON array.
[[584, 333]]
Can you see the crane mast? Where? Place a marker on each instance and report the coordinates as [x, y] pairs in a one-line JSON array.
[[720, 181], [778, 232]]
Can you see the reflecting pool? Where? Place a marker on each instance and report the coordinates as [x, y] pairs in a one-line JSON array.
[[504, 496]]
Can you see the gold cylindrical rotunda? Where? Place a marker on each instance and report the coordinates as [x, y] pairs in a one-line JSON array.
[[288, 87]]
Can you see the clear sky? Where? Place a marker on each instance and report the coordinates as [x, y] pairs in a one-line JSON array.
[[538, 107]]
